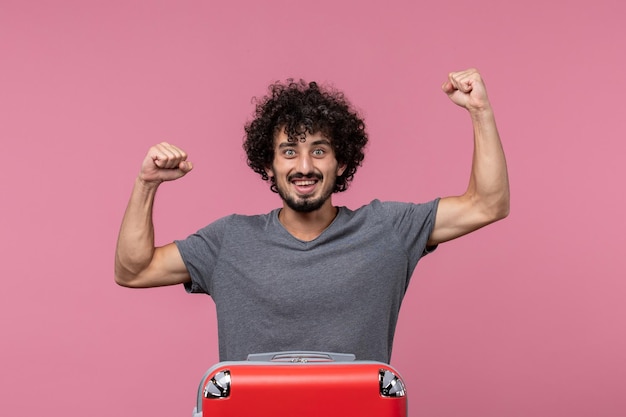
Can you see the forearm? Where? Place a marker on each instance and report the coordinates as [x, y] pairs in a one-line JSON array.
[[489, 183], [135, 244]]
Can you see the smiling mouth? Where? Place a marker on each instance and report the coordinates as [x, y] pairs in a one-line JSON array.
[[304, 186]]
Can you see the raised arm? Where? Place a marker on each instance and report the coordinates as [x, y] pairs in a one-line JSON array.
[[137, 262], [486, 199]]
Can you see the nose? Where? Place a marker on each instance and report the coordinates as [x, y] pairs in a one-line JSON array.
[[305, 164]]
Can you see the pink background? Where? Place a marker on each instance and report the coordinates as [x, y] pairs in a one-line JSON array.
[[524, 318]]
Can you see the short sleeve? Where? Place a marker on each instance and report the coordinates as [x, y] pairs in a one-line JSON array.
[[413, 224], [200, 252]]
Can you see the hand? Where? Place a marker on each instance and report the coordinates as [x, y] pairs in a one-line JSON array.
[[164, 162], [467, 89]]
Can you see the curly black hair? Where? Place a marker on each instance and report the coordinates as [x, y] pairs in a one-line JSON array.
[[300, 108]]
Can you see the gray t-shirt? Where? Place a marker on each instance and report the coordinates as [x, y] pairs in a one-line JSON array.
[[340, 292]]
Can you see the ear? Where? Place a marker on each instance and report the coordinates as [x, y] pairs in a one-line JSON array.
[[341, 169], [269, 171]]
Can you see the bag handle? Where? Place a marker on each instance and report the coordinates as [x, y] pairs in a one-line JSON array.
[[301, 357]]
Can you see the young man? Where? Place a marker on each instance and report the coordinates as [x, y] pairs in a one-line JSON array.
[[311, 276]]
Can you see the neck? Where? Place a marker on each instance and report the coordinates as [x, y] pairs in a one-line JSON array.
[[307, 226]]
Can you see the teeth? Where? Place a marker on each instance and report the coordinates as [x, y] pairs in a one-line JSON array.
[[302, 183]]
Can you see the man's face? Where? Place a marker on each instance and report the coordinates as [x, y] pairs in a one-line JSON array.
[[304, 172]]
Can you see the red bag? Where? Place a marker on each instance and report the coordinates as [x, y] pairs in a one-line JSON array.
[[301, 384]]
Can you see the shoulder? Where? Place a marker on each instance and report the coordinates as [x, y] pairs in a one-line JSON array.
[[238, 221], [389, 215], [231, 228], [251, 222], [395, 208]]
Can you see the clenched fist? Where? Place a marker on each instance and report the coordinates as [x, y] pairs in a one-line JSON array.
[[164, 162], [467, 89]]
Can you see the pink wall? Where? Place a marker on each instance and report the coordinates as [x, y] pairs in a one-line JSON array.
[[525, 318]]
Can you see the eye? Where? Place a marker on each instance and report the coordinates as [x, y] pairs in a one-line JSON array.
[[319, 152], [289, 153]]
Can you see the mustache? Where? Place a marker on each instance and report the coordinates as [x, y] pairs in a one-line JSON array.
[[299, 175]]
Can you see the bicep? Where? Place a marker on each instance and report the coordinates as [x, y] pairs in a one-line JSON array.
[[456, 216], [166, 268]]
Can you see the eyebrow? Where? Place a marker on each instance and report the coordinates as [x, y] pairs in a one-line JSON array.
[[318, 142]]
